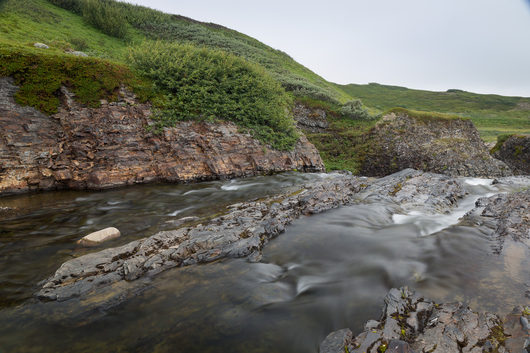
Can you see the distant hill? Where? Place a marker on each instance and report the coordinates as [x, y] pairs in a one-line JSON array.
[[492, 114]]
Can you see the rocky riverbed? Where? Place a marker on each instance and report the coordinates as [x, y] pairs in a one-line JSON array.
[[228, 279], [411, 323], [245, 229]]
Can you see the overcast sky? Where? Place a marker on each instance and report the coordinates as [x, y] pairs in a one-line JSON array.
[[476, 45]]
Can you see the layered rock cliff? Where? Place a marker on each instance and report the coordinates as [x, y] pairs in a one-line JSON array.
[[94, 148], [448, 146], [515, 152]]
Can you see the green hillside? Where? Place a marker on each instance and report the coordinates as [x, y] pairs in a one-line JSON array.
[[492, 114], [204, 71]]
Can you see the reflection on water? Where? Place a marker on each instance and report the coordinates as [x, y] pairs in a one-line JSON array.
[[325, 272]]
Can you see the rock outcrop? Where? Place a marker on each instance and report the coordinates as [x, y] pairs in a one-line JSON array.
[[411, 323], [243, 230], [448, 146], [515, 152], [310, 119], [505, 215], [94, 148]]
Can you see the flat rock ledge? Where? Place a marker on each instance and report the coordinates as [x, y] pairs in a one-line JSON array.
[[507, 216], [243, 230], [412, 323]]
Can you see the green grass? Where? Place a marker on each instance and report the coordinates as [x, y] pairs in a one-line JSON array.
[[156, 25], [345, 144], [425, 116], [493, 115], [40, 77]]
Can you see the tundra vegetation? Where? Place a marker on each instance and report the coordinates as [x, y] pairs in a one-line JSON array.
[[203, 71]]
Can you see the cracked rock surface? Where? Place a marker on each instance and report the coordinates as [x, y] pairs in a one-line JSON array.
[[412, 323], [244, 229]]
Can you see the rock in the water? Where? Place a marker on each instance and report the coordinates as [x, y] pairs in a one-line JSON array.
[[515, 152], [506, 215], [336, 341], [411, 323], [41, 46], [448, 146], [100, 236], [243, 230]]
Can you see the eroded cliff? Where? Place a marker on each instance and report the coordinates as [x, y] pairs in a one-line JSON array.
[[109, 146]]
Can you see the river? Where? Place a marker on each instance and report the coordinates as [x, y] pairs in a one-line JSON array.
[[326, 272]]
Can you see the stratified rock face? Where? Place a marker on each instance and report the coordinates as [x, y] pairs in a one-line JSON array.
[[447, 146], [310, 119], [411, 323], [93, 148], [515, 152]]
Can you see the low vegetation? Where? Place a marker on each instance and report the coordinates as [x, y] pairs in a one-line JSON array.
[[205, 84], [493, 115], [40, 77], [425, 116]]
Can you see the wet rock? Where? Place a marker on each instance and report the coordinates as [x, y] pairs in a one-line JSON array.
[[94, 148], [505, 215], [412, 189], [336, 341], [41, 46], [441, 328], [515, 152], [446, 146], [99, 237], [244, 230]]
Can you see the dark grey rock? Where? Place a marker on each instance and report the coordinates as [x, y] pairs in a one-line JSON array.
[[515, 152], [245, 229], [446, 146], [444, 328], [335, 341]]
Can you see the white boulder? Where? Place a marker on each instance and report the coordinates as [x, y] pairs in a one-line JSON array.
[[100, 236]]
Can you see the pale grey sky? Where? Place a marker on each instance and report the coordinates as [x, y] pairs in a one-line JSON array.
[[476, 45]]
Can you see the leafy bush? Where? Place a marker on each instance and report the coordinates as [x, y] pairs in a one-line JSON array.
[[41, 76], [205, 84], [157, 25], [105, 16], [354, 109]]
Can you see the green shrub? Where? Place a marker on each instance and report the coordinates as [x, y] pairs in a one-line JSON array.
[[40, 77], [105, 16], [354, 109], [205, 84]]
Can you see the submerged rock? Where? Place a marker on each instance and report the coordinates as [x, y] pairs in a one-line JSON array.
[[412, 323], [242, 231], [99, 237], [448, 146]]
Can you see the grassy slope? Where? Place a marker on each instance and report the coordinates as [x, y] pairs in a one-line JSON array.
[[492, 114]]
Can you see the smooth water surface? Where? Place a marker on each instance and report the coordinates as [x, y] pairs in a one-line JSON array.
[[324, 273]]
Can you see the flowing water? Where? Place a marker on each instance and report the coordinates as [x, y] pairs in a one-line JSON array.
[[324, 273]]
